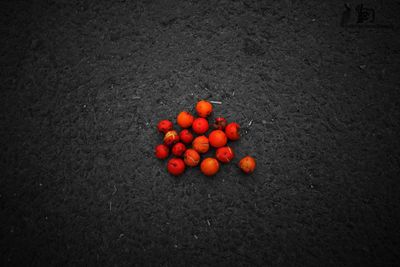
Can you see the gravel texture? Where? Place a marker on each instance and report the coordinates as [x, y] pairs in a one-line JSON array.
[[84, 84]]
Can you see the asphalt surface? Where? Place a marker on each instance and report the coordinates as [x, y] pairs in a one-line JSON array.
[[84, 84]]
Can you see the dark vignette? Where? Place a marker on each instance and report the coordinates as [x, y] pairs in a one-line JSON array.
[[84, 84]]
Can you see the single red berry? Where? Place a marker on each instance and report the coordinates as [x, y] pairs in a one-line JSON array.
[[164, 126], [200, 125], [186, 136], [162, 151], [178, 149], [171, 137], [204, 108], [185, 119], [209, 166], [217, 138], [176, 166], [191, 157], [224, 154], [220, 123], [232, 131], [247, 164]]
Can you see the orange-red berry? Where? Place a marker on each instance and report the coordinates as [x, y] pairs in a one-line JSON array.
[[162, 151], [247, 164], [171, 137], [217, 138], [224, 154], [201, 144], [178, 149], [200, 125], [176, 166], [164, 126], [204, 108], [185, 119], [232, 131], [186, 136], [209, 166], [191, 157]]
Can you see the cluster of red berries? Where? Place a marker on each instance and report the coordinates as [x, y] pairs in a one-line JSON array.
[[218, 138]]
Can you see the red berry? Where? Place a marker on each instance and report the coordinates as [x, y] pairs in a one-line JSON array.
[[186, 136], [176, 166], [220, 123], [232, 131], [185, 119], [171, 137], [162, 151], [178, 149], [224, 154], [247, 164], [164, 126], [209, 166], [217, 138], [200, 125]]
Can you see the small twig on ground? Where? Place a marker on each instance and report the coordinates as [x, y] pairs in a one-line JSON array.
[[136, 97], [250, 123], [110, 205], [115, 190], [216, 102], [208, 222]]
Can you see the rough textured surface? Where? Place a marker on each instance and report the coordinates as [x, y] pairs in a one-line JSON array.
[[79, 182]]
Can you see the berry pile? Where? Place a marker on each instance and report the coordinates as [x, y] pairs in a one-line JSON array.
[[218, 138]]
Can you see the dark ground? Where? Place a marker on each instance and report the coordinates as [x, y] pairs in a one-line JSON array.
[[79, 182]]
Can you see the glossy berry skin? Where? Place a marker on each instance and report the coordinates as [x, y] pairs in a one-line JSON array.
[[209, 166], [186, 136], [200, 126], [191, 157], [171, 137], [217, 138], [232, 131], [247, 164], [185, 119], [178, 149], [176, 166], [204, 108], [201, 144], [162, 151], [220, 123], [224, 154], [164, 126]]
